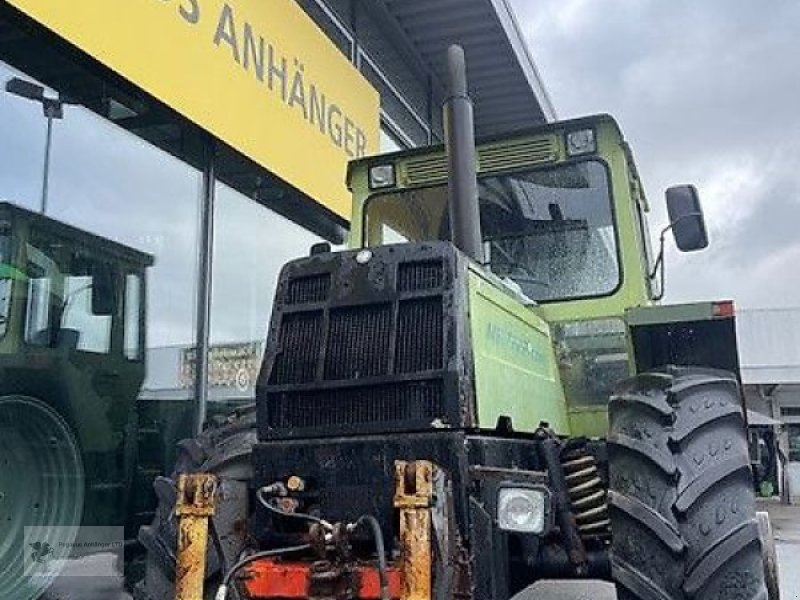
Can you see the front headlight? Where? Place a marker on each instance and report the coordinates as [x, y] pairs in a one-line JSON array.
[[381, 176], [580, 142], [523, 509]]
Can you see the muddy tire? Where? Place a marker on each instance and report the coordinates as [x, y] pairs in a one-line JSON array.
[[223, 449], [681, 496]]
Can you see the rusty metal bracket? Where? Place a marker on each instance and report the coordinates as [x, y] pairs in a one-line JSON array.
[[194, 507], [414, 497]]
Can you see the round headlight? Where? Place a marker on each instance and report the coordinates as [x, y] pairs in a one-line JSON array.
[[364, 256], [522, 509]]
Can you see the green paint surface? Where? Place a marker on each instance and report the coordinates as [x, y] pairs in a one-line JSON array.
[[515, 366]]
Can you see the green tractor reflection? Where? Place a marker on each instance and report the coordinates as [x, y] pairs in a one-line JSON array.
[[72, 333]]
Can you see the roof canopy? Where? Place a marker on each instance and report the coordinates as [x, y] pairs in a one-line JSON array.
[[505, 86]]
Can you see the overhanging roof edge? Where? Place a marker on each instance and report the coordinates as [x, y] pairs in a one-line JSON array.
[[510, 25]]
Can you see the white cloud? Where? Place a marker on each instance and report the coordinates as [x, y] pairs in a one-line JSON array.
[[706, 93]]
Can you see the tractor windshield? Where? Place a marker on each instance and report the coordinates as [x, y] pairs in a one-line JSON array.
[[551, 231]]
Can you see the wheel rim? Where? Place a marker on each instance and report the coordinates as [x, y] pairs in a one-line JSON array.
[[41, 486]]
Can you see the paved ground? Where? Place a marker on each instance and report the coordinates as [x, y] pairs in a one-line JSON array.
[[785, 524], [786, 529]]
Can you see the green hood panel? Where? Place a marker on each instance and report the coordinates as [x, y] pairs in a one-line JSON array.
[[516, 374]]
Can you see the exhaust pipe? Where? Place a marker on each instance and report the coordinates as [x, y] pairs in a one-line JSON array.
[[465, 223]]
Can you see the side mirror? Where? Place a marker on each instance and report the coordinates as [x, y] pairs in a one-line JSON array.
[[103, 290], [686, 218]]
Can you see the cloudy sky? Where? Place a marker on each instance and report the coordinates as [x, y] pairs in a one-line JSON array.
[[110, 182], [706, 93]]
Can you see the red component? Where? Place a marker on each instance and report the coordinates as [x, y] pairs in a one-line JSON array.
[[723, 308], [267, 579]]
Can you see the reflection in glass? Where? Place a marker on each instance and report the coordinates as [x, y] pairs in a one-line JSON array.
[[551, 230], [77, 315], [592, 359], [251, 245]]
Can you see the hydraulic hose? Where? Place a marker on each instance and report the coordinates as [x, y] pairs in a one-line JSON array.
[[261, 495], [222, 592], [380, 548]]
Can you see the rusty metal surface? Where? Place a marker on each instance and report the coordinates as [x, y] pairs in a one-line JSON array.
[[194, 507], [414, 497], [271, 579]]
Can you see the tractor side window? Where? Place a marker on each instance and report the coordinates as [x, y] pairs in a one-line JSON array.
[[43, 274], [592, 359], [132, 335], [91, 332], [70, 303], [7, 275]]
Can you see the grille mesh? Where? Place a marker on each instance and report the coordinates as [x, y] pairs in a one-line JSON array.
[[358, 342], [313, 288], [301, 334], [419, 335], [403, 401], [420, 275], [517, 154], [368, 355]]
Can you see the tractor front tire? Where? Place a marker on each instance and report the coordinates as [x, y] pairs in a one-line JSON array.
[[223, 449], [680, 489]]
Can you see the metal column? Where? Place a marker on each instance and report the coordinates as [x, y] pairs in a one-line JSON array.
[[204, 285]]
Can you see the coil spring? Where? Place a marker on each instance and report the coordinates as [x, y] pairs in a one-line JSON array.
[[588, 496]]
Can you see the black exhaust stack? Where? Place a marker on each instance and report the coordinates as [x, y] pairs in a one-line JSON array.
[[465, 223]]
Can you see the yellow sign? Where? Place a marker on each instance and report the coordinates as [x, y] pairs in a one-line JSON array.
[[257, 74]]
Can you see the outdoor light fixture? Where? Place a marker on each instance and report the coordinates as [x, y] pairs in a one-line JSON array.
[[25, 89], [381, 176], [523, 509], [53, 108], [580, 142]]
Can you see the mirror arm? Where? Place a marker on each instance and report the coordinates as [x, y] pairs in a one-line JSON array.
[[659, 261]]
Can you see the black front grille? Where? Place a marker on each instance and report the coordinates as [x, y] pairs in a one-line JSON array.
[[367, 344], [301, 342], [313, 288], [419, 335], [409, 401], [420, 275], [358, 342]]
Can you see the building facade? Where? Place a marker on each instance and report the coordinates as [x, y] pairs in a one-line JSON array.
[[214, 136], [769, 350]]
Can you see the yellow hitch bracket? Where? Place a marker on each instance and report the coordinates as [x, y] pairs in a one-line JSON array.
[[194, 507], [414, 497]]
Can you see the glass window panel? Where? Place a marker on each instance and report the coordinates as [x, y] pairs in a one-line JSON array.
[[91, 332], [125, 197], [551, 231], [132, 341], [8, 273], [251, 245]]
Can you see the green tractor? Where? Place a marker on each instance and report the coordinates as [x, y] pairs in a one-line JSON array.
[[483, 396], [72, 327]]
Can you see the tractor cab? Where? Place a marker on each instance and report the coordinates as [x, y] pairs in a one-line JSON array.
[[563, 221], [72, 316], [63, 290]]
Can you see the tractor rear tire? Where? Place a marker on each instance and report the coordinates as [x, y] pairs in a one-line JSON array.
[[680, 489], [223, 449]]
